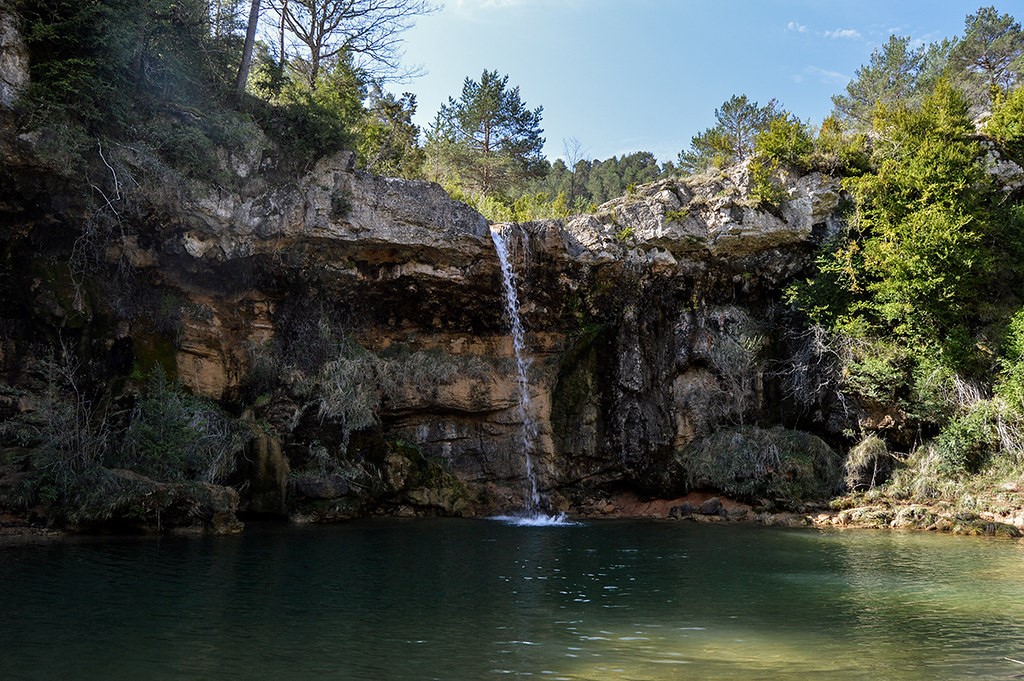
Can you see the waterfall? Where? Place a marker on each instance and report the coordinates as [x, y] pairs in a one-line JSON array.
[[528, 433]]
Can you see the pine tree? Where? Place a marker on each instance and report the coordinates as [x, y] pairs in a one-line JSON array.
[[731, 140], [890, 77], [487, 140], [990, 58]]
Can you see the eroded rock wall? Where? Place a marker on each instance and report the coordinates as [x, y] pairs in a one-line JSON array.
[[357, 322]]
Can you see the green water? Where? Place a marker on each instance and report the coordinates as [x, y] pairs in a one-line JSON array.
[[476, 599]]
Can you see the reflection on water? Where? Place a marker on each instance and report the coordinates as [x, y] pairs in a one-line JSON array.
[[468, 600]]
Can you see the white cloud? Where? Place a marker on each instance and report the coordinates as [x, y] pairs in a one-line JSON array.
[[825, 76], [794, 26], [843, 33], [485, 11], [487, 4]]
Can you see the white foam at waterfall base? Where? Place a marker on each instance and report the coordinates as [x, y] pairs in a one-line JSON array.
[[536, 520], [529, 428]]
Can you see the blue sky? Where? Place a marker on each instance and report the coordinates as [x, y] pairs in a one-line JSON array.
[[646, 75]]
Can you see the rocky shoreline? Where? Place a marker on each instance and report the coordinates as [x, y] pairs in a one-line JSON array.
[[706, 507], [699, 507]]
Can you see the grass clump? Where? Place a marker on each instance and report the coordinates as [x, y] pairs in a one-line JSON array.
[[867, 464], [752, 463]]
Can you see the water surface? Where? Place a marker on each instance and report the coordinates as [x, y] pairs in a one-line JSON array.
[[474, 599]]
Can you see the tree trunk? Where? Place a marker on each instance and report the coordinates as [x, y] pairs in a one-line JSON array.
[[250, 41], [284, 12], [314, 68]]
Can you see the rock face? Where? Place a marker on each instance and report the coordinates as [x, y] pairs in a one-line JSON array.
[[13, 61], [679, 331], [358, 323]]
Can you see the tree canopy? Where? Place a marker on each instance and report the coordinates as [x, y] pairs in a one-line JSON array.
[[487, 140], [368, 31], [731, 139], [889, 77], [990, 57], [930, 235]]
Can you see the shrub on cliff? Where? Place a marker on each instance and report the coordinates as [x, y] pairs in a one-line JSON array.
[[1006, 125], [787, 141], [175, 436], [752, 463], [68, 431], [930, 241]]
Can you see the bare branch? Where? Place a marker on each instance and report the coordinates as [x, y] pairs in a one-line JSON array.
[[369, 30]]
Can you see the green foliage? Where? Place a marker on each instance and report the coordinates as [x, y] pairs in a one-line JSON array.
[[731, 140], [677, 215], [880, 371], [926, 234], [495, 208], [924, 239], [889, 79], [388, 139], [765, 189], [979, 447], [305, 127], [928, 268], [76, 447], [341, 205], [104, 63], [786, 140], [989, 61], [1010, 384], [938, 390], [837, 152], [1006, 125], [312, 123], [526, 208], [710, 149], [624, 234], [487, 140], [536, 207], [70, 433], [590, 183], [175, 436], [985, 64], [163, 70], [968, 440], [832, 298], [183, 145]]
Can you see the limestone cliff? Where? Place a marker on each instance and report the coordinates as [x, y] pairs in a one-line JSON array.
[[349, 333], [356, 323]]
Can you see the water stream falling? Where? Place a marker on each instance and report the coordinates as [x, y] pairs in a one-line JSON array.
[[528, 433], [532, 515]]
